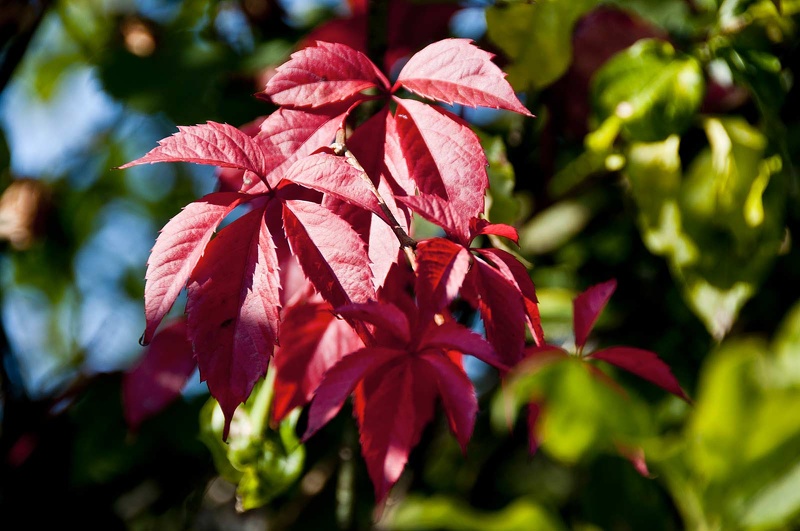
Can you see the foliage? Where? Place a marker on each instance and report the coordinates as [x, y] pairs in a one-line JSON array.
[[355, 227]]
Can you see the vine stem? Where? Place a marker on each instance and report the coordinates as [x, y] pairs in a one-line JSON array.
[[407, 243]]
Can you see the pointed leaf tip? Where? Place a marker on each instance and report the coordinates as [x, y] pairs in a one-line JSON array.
[[457, 71], [645, 364], [587, 308]]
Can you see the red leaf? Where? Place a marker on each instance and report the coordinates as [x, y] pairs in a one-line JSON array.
[[386, 317], [215, 144], [288, 135], [481, 226], [643, 363], [441, 268], [323, 74], [233, 309], [453, 336], [517, 274], [458, 396], [399, 402], [502, 309], [312, 341], [456, 71], [587, 307], [397, 166], [444, 157], [159, 376], [332, 255], [339, 382], [335, 176], [176, 252], [439, 211]]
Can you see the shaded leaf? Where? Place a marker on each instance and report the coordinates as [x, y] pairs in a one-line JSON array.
[[160, 375], [587, 308], [642, 363]]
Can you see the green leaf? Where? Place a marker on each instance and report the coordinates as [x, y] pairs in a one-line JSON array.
[[720, 226], [442, 513], [264, 463], [651, 89], [537, 37], [583, 414], [502, 205]]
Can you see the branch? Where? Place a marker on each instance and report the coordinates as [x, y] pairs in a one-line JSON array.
[[407, 243]]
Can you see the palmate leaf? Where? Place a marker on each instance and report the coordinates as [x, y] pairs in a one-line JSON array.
[[456, 71], [177, 250], [323, 74], [233, 309], [458, 396]]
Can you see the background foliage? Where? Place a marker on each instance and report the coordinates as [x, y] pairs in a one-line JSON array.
[[664, 155]]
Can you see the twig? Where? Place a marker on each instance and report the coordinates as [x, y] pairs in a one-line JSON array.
[[407, 243]]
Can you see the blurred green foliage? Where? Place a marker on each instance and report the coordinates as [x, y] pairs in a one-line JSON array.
[[668, 163]]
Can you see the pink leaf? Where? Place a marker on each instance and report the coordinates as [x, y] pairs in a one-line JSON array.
[[176, 252], [215, 144], [397, 167], [643, 363], [518, 275], [335, 176], [323, 74], [289, 134], [444, 157], [430, 20], [458, 396], [233, 310], [453, 336], [159, 376], [386, 317], [502, 309], [312, 341], [481, 226], [399, 402], [456, 71], [340, 380], [441, 268], [587, 307], [330, 252]]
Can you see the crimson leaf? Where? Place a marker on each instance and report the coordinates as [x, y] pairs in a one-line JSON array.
[[587, 307], [159, 376], [332, 255], [233, 309], [643, 363], [176, 252], [312, 341], [441, 268], [456, 71]]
